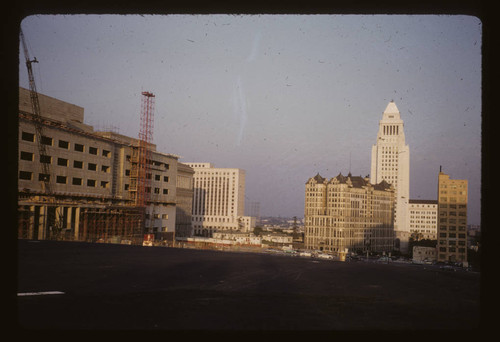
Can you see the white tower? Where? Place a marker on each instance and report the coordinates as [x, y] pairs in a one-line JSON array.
[[391, 162]]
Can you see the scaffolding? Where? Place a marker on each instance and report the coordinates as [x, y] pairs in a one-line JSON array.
[[112, 225]]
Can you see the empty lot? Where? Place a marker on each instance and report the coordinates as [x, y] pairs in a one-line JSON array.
[[118, 287]]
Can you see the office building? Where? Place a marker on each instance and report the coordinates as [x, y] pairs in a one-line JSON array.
[[423, 218], [350, 213], [218, 200], [452, 225]]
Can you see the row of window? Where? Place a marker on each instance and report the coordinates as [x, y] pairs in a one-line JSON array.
[[148, 189], [26, 136], [422, 221], [452, 235], [453, 228], [157, 177], [77, 164], [451, 250], [27, 175], [452, 206]]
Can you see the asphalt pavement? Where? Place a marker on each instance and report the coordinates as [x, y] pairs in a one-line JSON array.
[[83, 286]]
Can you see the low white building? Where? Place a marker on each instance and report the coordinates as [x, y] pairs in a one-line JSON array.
[[277, 238], [240, 238], [422, 254]]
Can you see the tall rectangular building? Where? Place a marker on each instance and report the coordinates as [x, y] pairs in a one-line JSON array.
[[391, 162], [348, 212], [452, 208], [423, 218], [218, 199]]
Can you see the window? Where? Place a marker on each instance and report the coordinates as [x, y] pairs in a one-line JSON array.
[[64, 144], [104, 184], [106, 153], [157, 190], [78, 164], [104, 168], [92, 167], [46, 140], [26, 156], [28, 136], [79, 147], [62, 161], [127, 186], [25, 175], [165, 178], [45, 159], [61, 179], [165, 191], [127, 172], [43, 177], [93, 150], [157, 177], [91, 182], [77, 181]]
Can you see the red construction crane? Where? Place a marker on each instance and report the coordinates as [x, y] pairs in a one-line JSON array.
[[145, 141]]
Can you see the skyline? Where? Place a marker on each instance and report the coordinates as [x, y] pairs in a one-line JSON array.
[[283, 97]]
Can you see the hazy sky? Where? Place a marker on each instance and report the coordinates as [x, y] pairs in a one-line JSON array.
[[281, 96]]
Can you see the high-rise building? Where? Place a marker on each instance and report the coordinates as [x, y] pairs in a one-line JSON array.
[[391, 162], [218, 200], [452, 208], [348, 212]]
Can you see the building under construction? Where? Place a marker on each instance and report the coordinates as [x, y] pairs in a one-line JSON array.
[[75, 183]]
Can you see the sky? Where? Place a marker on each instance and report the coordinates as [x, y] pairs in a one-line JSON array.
[[283, 97]]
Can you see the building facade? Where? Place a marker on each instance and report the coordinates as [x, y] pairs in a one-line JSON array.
[[390, 161], [423, 218], [91, 189], [348, 212], [218, 200], [452, 225], [423, 254], [184, 204]]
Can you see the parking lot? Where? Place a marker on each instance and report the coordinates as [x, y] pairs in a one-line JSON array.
[[71, 285]]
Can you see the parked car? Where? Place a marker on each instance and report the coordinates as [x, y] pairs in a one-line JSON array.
[[324, 256]]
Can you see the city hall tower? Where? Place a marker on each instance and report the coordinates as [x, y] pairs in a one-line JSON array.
[[391, 162]]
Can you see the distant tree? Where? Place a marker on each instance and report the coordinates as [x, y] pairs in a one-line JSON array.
[[417, 240], [257, 230]]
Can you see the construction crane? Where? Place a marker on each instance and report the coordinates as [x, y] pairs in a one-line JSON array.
[[37, 118]]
